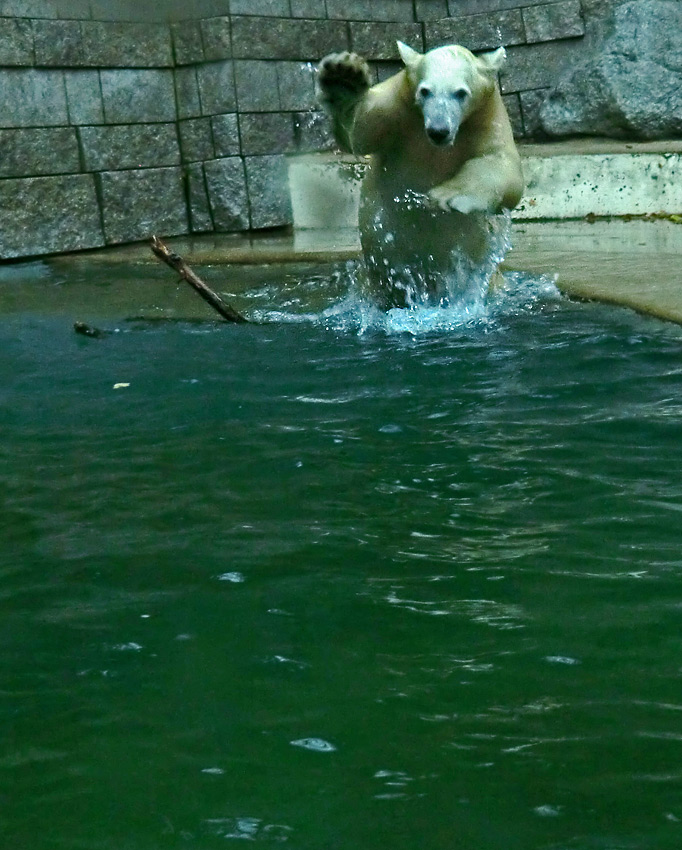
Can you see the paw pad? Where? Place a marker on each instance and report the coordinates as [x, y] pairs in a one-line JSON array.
[[343, 74]]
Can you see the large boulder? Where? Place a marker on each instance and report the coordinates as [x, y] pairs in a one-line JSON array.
[[631, 87]]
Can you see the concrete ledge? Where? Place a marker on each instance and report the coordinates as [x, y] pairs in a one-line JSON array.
[[564, 180], [572, 180], [629, 263], [633, 264]]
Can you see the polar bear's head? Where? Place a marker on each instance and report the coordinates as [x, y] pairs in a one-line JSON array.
[[449, 84]]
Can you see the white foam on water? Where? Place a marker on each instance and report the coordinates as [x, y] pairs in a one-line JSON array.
[[519, 293]]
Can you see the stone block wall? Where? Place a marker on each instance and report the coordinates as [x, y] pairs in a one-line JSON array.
[[119, 119]]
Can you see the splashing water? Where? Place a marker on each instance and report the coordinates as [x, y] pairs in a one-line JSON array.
[[417, 255], [437, 297], [439, 294], [518, 293]]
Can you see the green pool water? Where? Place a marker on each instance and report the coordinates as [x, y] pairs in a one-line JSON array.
[[324, 583]]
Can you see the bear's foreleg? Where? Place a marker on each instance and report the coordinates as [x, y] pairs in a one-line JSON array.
[[343, 79], [488, 184]]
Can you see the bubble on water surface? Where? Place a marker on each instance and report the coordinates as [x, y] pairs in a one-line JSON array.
[[319, 745]]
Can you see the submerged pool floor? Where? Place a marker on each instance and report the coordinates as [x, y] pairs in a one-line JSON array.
[[324, 583]]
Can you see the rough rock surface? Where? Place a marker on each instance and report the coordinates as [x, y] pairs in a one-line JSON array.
[[632, 85]]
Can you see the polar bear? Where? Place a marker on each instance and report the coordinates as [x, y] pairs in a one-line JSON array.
[[443, 159]]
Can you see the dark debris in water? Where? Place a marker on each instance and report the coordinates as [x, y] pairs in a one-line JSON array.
[[89, 330]]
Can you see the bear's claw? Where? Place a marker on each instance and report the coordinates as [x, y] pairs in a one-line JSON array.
[[467, 204], [448, 202], [341, 75]]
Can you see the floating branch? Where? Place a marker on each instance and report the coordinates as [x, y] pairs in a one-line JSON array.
[[175, 261]]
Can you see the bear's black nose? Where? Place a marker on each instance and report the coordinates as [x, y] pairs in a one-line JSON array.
[[437, 134]]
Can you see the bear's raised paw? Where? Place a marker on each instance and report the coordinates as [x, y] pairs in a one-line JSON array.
[[341, 76]]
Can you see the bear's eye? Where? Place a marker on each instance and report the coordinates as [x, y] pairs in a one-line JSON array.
[[460, 94], [424, 91]]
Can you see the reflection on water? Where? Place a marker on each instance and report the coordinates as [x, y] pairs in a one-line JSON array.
[[324, 584]]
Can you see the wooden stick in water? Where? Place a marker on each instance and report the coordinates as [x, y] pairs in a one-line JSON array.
[[175, 261]]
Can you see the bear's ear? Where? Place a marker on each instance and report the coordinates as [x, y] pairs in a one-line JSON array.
[[494, 61], [409, 56]]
